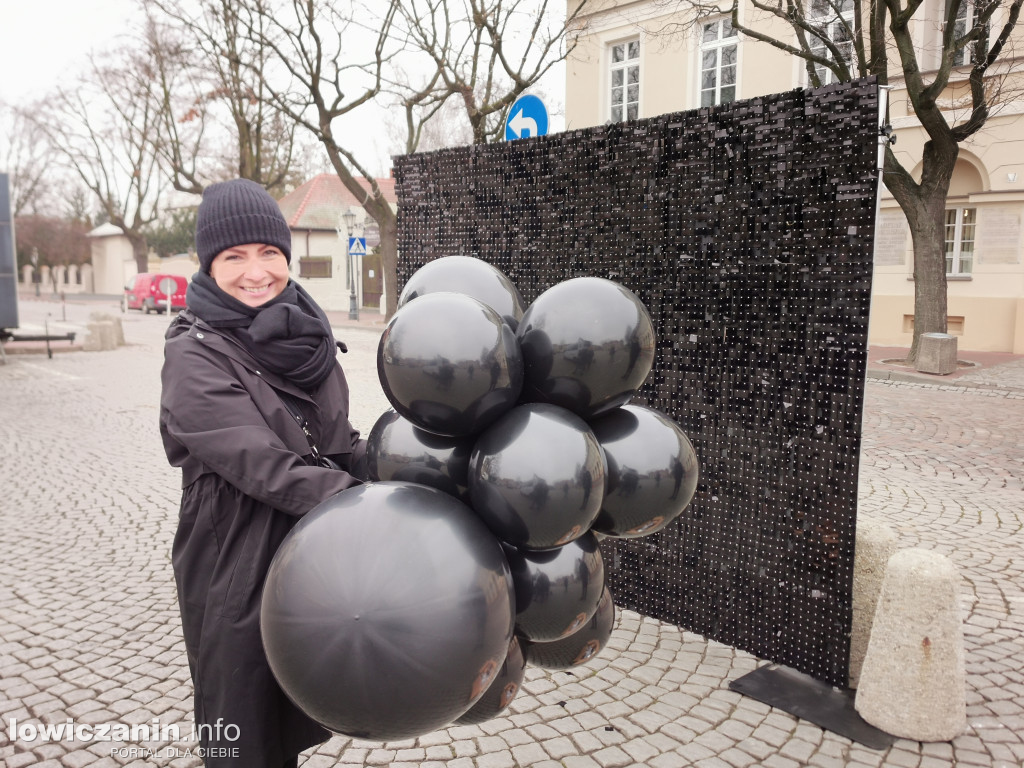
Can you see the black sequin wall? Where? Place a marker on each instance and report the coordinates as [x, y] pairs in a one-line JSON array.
[[747, 230]]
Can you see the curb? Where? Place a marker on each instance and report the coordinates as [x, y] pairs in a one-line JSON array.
[[904, 377]]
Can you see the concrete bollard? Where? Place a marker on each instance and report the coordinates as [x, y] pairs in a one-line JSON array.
[[102, 317], [876, 543], [100, 336], [936, 353], [912, 683]]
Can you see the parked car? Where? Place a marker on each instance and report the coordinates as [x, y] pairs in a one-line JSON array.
[[143, 292]]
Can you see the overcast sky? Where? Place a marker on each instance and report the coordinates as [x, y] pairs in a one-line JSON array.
[[45, 43]]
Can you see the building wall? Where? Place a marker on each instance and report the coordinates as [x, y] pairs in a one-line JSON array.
[[331, 293], [113, 262], [986, 308]]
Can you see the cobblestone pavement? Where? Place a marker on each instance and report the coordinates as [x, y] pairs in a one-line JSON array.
[[89, 629], [1009, 375]]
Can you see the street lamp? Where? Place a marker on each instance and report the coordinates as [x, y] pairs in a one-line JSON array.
[[349, 217]]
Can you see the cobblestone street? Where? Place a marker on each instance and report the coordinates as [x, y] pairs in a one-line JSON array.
[[89, 627]]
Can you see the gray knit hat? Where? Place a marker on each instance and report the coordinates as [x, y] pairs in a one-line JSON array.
[[238, 212]]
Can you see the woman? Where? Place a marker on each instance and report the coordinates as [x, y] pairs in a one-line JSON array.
[[249, 359]]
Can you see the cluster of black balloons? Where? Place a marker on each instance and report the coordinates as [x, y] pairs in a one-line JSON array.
[[418, 599]]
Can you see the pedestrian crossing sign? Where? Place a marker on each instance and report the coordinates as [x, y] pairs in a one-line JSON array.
[[357, 246]]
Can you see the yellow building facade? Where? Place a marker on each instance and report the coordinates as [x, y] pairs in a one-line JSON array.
[[640, 58]]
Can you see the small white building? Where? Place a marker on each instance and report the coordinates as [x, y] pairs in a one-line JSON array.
[[113, 260]]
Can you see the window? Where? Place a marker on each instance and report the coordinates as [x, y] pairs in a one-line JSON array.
[[315, 266], [834, 20], [625, 81], [966, 14], [960, 226], [717, 63]]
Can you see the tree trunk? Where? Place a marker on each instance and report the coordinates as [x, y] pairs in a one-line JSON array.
[[140, 249], [389, 262], [928, 229], [924, 205]]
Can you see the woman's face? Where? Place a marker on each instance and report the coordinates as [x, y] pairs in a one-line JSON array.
[[253, 273]]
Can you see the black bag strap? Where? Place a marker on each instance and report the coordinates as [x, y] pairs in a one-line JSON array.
[[293, 409]]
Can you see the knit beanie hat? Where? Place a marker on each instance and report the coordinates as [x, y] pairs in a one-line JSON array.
[[239, 212]]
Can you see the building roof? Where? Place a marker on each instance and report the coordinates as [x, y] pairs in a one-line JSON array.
[[105, 230], [319, 203]]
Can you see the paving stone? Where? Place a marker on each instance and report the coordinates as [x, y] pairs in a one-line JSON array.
[[640, 750], [737, 758], [465, 748], [670, 760], [498, 759], [612, 757], [529, 753], [319, 761]]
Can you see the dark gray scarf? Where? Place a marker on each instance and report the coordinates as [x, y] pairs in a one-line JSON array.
[[290, 334]]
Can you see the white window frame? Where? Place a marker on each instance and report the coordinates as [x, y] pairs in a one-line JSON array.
[[717, 46], [964, 233], [960, 27], [834, 25], [624, 66]]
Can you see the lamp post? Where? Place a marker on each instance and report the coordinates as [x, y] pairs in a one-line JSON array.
[[349, 217]]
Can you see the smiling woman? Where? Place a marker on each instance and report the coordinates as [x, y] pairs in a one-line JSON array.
[[253, 273], [254, 411]]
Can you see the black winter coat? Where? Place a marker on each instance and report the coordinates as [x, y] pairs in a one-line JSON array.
[[246, 481]]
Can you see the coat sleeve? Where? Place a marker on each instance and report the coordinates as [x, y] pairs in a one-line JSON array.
[[208, 414]]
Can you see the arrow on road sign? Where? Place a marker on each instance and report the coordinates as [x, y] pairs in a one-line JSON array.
[[520, 124]]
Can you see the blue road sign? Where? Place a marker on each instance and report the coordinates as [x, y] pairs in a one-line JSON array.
[[357, 246], [527, 117]]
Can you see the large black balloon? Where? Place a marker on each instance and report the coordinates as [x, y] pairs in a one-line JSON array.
[[536, 476], [449, 364], [471, 276], [386, 610], [557, 590], [502, 688], [579, 647], [652, 471], [396, 449], [588, 345]]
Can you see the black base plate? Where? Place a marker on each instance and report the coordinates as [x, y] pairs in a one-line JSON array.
[[820, 703]]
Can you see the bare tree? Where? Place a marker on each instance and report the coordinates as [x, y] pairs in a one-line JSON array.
[[313, 61], [25, 155], [857, 38], [103, 130], [217, 119], [483, 54]]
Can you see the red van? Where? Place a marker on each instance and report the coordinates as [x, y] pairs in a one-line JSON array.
[[143, 292]]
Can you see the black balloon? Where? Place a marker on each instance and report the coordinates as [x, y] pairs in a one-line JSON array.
[[557, 590], [652, 471], [449, 364], [472, 277], [502, 688], [396, 449], [579, 647], [588, 345], [536, 476], [386, 610]]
